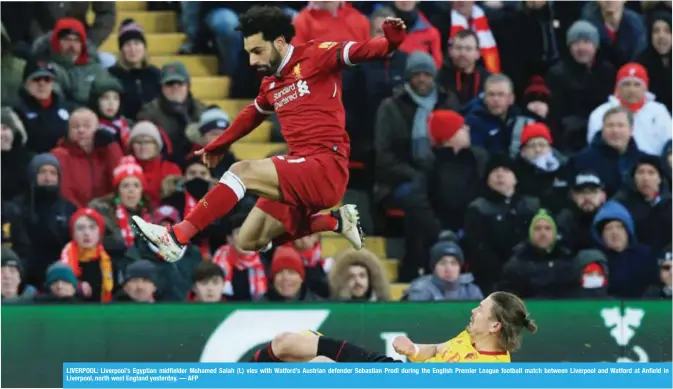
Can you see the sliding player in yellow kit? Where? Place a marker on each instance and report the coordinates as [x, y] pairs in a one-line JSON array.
[[493, 332]]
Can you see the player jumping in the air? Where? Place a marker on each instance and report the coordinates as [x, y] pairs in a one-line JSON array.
[[303, 86], [493, 332]]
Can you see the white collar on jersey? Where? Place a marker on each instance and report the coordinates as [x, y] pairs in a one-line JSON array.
[[285, 60]]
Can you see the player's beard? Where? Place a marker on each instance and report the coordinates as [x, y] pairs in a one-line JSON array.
[[274, 63]]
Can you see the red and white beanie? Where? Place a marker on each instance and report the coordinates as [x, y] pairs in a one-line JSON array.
[[128, 167], [633, 72]]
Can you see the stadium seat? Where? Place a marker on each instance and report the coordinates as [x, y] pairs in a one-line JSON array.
[[397, 290], [261, 134], [210, 88], [198, 65], [232, 107], [152, 22], [131, 5], [157, 44], [246, 150], [333, 244]]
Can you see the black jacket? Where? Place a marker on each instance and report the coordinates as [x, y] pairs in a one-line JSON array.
[[140, 87], [574, 228], [550, 187], [44, 126], [494, 225], [652, 219], [465, 86]]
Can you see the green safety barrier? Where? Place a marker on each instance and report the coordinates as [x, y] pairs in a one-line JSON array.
[[36, 340]]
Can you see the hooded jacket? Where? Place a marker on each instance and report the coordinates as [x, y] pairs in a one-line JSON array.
[[12, 71], [379, 287], [14, 161], [635, 268]]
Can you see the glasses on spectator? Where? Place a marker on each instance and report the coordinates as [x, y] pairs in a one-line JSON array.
[[42, 79], [174, 83], [666, 267], [537, 145]]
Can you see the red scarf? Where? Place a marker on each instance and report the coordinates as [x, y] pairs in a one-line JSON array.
[[122, 215], [312, 257], [118, 126], [632, 107], [204, 247], [479, 24], [72, 256], [229, 259]]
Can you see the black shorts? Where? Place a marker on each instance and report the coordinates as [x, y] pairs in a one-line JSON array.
[[345, 351]]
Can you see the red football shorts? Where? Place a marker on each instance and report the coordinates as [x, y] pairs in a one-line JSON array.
[[308, 185]]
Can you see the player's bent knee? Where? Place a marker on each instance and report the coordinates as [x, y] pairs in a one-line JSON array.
[[243, 170], [251, 245], [281, 345], [321, 359]]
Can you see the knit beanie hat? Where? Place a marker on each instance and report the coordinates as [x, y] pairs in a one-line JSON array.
[[651, 160], [141, 269], [60, 272], [536, 91], [213, 118], [41, 160], [445, 248], [535, 130], [146, 128], [128, 167], [443, 124], [128, 30], [420, 61], [633, 72], [91, 214], [582, 29], [287, 258], [10, 259], [496, 161], [542, 214], [166, 212]]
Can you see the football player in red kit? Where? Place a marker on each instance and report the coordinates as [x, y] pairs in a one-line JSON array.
[[303, 87]]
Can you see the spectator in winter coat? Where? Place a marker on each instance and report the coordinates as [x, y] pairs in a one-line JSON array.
[[666, 164], [87, 258], [358, 276], [14, 286], [540, 266], [496, 222], [174, 109], [657, 57], [467, 15], [15, 157], [106, 101], [401, 134], [591, 267], [42, 111], [208, 284], [287, 278], [612, 153], [14, 234], [117, 208], [575, 221], [61, 284], [75, 63], [310, 252], [578, 84], [12, 71], [648, 200], [244, 272], [461, 71], [330, 21], [495, 121], [145, 142], [651, 120], [421, 35], [139, 78], [46, 216], [213, 122], [632, 265], [140, 283], [445, 282], [526, 40], [87, 158], [541, 169], [50, 13], [364, 88], [663, 288], [440, 196], [536, 101], [622, 31]]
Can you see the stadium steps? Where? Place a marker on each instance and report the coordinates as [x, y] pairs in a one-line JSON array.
[[163, 43]]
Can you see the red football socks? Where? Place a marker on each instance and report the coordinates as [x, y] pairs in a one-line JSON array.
[[320, 222], [215, 204]]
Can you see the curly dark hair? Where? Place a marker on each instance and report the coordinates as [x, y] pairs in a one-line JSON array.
[[271, 21]]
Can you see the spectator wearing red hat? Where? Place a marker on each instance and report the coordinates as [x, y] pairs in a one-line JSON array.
[[441, 195], [539, 168], [536, 99], [651, 120], [287, 277], [86, 165], [85, 255], [330, 21], [145, 143], [127, 200]]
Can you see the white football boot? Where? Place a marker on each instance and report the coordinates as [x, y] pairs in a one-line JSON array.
[[349, 225], [161, 237]]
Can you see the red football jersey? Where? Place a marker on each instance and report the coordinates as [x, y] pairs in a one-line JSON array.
[[305, 93]]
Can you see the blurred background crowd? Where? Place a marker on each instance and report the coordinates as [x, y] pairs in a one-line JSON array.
[[521, 146]]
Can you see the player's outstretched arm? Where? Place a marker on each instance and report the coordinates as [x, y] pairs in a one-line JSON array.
[[394, 32], [246, 121], [415, 352]]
